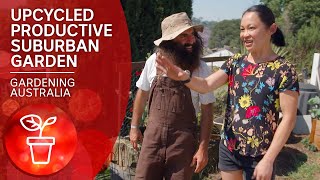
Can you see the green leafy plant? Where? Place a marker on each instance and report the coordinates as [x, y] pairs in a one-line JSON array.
[[315, 107], [281, 51], [315, 115], [306, 143], [104, 174]]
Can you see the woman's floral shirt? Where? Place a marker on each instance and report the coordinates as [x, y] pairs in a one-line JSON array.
[[253, 102]]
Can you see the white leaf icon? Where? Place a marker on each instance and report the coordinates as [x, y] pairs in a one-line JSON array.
[[50, 120], [30, 118]]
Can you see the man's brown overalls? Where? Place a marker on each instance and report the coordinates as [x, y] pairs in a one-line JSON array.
[[169, 141]]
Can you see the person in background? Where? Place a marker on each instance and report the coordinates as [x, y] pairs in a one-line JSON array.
[[260, 84]]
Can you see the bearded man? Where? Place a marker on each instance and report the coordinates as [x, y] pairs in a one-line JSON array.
[[169, 148]]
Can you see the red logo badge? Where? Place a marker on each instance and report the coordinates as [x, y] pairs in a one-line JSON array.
[[40, 139]]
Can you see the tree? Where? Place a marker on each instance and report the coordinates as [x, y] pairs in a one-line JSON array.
[[306, 43], [225, 33], [301, 11], [277, 6], [298, 11], [144, 21], [299, 20]]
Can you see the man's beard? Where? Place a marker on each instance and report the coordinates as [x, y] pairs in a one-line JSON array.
[[181, 56]]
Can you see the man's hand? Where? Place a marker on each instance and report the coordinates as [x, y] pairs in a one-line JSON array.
[[263, 170], [135, 137], [200, 159]]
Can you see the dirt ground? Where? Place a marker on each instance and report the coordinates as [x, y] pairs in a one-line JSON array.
[[292, 156]]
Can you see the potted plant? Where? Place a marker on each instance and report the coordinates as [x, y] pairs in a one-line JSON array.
[[315, 115]]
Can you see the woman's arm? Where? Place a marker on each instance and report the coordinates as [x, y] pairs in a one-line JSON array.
[[201, 85], [212, 82], [288, 104]]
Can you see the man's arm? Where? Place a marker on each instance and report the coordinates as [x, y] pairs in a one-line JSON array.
[[288, 104], [201, 156], [138, 109], [205, 125]]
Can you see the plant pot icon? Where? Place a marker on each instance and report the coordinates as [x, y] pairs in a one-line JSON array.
[[40, 148]]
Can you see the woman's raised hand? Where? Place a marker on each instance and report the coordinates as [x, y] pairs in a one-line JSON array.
[[165, 66]]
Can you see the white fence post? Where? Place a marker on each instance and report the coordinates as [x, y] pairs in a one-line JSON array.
[[315, 73]]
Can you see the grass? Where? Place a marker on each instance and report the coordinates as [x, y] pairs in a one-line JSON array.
[[298, 161], [307, 170]]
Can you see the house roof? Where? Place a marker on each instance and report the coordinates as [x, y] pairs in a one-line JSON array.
[[219, 55]]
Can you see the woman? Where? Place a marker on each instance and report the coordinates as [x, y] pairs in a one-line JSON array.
[[259, 85]]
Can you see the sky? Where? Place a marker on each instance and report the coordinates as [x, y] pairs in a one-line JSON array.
[[218, 10]]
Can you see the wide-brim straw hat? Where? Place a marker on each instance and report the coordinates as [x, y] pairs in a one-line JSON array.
[[174, 25]]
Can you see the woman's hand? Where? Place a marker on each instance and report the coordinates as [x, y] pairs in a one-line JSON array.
[[165, 66], [263, 170]]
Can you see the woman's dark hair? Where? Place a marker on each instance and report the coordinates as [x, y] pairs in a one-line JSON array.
[[267, 17]]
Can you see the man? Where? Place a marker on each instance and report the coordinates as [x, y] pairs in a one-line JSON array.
[[169, 145]]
